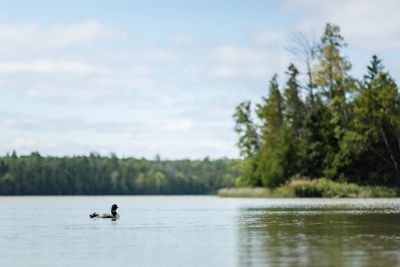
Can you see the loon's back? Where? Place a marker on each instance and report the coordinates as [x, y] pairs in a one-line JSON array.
[[104, 215]]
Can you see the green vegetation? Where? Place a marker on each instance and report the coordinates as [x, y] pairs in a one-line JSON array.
[[96, 175], [324, 123], [245, 192], [311, 188]]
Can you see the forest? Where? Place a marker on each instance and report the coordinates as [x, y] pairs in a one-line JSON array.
[[322, 122], [96, 175]]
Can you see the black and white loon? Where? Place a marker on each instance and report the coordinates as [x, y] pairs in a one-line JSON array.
[[113, 215]]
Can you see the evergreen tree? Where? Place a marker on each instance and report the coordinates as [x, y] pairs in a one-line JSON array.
[[331, 73], [249, 144], [94, 175], [271, 115], [348, 130], [318, 140], [249, 140], [376, 123], [373, 70], [270, 112], [294, 106]]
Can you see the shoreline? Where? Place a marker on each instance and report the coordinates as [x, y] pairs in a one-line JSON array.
[[318, 188]]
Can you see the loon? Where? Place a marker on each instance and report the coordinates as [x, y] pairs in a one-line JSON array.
[[113, 215]]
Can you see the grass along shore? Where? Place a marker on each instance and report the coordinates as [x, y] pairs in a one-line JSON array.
[[311, 188]]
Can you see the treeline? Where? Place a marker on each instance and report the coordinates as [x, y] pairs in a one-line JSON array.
[[97, 175], [323, 122]]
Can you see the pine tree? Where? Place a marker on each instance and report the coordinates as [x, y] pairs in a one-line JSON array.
[[271, 111], [377, 118], [249, 145], [294, 106], [346, 129], [244, 126], [370, 149], [331, 73], [271, 170], [373, 70]]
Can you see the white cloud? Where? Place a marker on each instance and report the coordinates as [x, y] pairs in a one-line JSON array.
[[178, 125], [247, 61], [68, 95], [149, 91], [175, 98], [35, 37], [41, 124], [158, 54], [232, 71], [367, 24], [270, 37], [241, 54], [51, 67], [77, 33], [181, 39]]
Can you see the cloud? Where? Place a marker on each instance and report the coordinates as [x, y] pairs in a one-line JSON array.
[[181, 39], [51, 67], [270, 36], [240, 54], [366, 24], [237, 71], [70, 68], [182, 136], [40, 124], [72, 94], [77, 33], [137, 101], [247, 61], [178, 125], [156, 54], [34, 37]]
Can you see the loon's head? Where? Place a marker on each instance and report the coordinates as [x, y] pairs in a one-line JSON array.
[[114, 209]]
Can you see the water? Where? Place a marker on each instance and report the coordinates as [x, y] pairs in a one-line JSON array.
[[199, 231]]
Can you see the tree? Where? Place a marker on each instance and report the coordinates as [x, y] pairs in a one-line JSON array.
[[377, 118], [270, 112], [331, 74], [249, 144], [373, 71], [370, 149], [37, 175], [294, 106], [271, 115], [306, 50], [344, 129], [248, 136], [318, 140]]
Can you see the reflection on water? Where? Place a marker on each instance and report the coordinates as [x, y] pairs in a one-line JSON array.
[[329, 236]]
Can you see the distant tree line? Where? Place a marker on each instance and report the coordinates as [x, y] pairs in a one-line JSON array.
[[323, 122], [97, 175]]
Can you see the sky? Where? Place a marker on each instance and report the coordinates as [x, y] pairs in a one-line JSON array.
[[158, 77]]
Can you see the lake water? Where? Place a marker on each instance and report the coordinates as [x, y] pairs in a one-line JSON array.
[[199, 231]]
